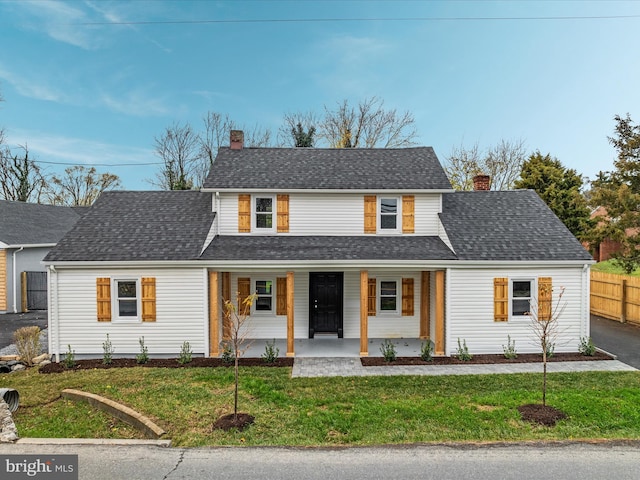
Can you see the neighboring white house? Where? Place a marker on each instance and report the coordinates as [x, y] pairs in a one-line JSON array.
[[349, 243], [27, 233]]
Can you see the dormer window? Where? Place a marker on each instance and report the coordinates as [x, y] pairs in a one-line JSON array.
[[263, 213]]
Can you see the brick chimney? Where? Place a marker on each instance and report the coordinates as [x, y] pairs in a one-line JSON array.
[[236, 139], [481, 182]]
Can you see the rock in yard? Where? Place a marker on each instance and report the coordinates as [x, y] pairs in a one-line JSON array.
[[8, 430], [18, 367], [40, 358]]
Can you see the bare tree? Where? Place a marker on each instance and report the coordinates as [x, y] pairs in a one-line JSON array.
[[20, 178], [502, 162], [179, 147], [80, 186], [367, 125]]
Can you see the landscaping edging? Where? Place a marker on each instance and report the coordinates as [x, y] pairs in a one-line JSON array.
[[126, 414]]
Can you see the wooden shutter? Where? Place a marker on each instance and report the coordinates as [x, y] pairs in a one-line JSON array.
[[371, 294], [244, 213], [281, 296], [408, 214], [148, 299], [103, 295], [500, 299], [407, 297], [283, 213], [370, 207], [244, 290], [545, 293]]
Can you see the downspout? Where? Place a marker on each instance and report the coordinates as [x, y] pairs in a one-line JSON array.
[[586, 312], [15, 281]]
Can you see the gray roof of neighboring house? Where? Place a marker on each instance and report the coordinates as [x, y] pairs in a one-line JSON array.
[[507, 226], [274, 248], [128, 226], [34, 224], [327, 168]]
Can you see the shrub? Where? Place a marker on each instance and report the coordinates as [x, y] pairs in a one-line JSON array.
[[143, 356], [227, 353], [27, 341], [271, 352], [186, 355], [463, 351], [587, 347], [69, 360], [551, 348], [510, 349], [426, 351], [107, 351], [388, 350]]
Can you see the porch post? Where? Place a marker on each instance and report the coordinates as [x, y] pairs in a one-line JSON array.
[[439, 348], [425, 305], [214, 315], [364, 313], [226, 295], [290, 323]]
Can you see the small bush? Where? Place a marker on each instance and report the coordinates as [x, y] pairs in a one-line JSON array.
[[69, 360], [27, 340], [463, 351], [426, 351], [107, 351], [510, 349], [388, 350], [143, 356], [227, 353], [271, 352], [587, 347], [186, 355], [551, 349]]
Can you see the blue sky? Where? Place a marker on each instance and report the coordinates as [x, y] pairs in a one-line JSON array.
[[82, 85]]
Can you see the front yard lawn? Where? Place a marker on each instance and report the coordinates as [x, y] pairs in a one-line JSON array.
[[329, 411]]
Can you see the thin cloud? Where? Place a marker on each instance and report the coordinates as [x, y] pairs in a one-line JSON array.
[[135, 103], [30, 89]]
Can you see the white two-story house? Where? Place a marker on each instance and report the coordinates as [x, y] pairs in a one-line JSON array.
[[346, 243]]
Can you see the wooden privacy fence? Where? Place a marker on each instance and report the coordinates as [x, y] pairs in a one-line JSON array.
[[615, 296]]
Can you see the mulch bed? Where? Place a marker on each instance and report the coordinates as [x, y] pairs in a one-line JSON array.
[[228, 422], [162, 363], [541, 414], [484, 359]]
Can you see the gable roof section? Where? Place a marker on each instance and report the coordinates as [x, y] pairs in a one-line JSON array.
[[129, 226], [327, 169], [507, 226], [321, 248], [34, 224]]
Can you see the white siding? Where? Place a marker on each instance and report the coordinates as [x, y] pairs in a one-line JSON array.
[[471, 311], [331, 214], [180, 307]]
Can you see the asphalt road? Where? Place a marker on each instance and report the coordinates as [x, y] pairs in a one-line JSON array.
[[621, 339], [10, 322], [524, 462]]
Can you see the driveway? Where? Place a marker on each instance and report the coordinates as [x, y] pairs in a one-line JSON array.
[[621, 339], [10, 322]]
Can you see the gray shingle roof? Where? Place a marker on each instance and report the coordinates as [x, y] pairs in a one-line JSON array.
[[327, 168], [33, 224], [509, 226], [270, 248], [126, 226]]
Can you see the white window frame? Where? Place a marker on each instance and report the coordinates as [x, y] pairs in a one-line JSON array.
[[254, 214], [398, 214], [115, 307], [398, 296], [254, 282], [532, 298]]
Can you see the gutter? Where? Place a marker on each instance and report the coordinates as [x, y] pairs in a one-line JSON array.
[[324, 190], [15, 280]]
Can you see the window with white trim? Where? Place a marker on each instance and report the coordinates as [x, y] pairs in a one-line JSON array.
[[127, 299], [388, 296], [264, 301], [389, 214], [521, 292], [264, 210]]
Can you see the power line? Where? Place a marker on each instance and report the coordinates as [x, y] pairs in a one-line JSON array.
[[378, 19]]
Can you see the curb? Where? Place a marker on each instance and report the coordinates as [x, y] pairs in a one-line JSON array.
[[93, 441]]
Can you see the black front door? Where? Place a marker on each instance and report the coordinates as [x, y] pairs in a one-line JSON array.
[[325, 303]]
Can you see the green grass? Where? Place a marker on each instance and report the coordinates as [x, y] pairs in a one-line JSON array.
[[329, 411], [611, 267]]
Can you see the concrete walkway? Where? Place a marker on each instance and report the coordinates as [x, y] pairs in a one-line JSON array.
[[352, 367]]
